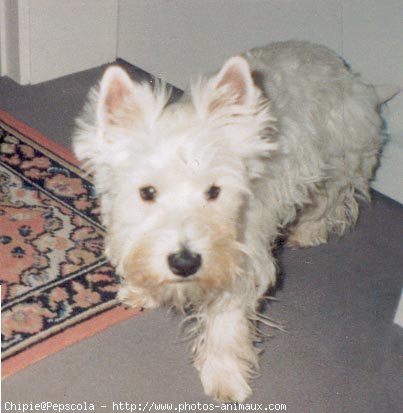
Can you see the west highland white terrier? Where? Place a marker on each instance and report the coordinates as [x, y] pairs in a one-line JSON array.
[[195, 194]]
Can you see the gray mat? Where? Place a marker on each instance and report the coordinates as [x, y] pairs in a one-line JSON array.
[[342, 352]]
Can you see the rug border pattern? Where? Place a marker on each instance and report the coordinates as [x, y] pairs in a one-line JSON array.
[[92, 321]]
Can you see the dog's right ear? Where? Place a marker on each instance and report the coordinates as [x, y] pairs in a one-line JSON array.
[[386, 93], [117, 104], [235, 81]]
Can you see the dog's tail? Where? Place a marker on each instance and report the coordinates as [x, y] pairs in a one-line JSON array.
[[386, 92]]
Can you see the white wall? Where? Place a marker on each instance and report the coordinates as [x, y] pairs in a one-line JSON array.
[[179, 38], [176, 39], [46, 39], [84, 30], [13, 39]]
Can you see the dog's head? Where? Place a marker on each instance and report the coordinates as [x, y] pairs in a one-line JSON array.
[[175, 180]]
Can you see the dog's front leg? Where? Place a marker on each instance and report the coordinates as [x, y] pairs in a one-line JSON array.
[[224, 352], [136, 297]]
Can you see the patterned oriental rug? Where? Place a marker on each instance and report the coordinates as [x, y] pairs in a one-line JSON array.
[[57, 287]]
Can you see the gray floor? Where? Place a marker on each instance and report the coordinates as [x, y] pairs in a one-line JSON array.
[[342, 352]]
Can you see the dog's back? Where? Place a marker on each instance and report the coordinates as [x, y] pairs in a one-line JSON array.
[[330, 133]]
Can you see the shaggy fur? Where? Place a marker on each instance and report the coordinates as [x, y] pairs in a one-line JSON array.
[[195, 194]]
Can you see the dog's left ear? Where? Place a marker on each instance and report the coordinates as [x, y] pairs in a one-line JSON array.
[[115, 101], [233, 84]]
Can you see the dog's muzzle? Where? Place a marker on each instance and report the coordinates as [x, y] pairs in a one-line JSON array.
[[184, 262]]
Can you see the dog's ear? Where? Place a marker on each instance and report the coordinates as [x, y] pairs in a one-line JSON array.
[[386, 93], [233, 84], [120, 99]]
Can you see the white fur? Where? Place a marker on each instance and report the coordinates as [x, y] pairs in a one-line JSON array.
[[291, 137]]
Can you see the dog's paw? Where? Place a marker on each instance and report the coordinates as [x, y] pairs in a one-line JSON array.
[[306, 235], [136, 297], [223, 381]]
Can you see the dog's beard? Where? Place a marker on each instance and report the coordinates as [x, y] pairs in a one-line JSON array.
[[222, 264]]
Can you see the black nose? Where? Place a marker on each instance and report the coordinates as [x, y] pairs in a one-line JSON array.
[[184, 262]]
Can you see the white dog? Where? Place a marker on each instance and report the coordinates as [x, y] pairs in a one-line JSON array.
[[195, 194]]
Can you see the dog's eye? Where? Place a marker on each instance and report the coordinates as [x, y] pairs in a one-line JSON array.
[[213, 192], [148, 193]]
